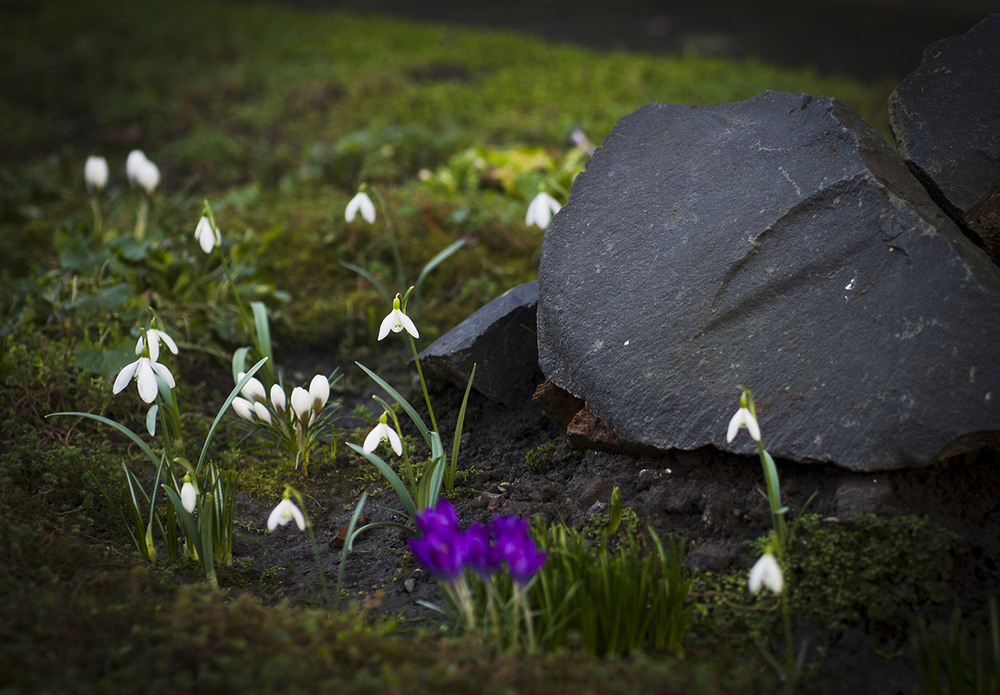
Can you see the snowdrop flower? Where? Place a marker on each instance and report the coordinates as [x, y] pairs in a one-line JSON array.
[[145, 370], [541, 210], [253, 390], [319, 389], [244, 408], [382, 433], [766, 573], [189, 496], [95, 173], [156, 336], [302, 402], [743, 418], [278, 400], [397, 321], [361, 202], [141, 172], [206, 235], [284, 512]]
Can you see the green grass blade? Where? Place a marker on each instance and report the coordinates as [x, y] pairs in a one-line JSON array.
[[225, 406], [394, 394], [436, 261], [459, 423]]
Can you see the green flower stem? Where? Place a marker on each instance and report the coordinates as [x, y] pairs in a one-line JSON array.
[[391, 232], [774, 500], [423, 384]]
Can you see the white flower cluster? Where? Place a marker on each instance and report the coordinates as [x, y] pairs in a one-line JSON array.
[[252, 404]]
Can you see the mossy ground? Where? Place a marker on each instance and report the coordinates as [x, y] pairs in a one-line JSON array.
[[276, 116]]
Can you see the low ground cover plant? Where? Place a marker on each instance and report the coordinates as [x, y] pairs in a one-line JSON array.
[[168, 334]]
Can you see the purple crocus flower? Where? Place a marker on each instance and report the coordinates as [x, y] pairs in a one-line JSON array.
[[477, 546], [512, 544], [442, 550]]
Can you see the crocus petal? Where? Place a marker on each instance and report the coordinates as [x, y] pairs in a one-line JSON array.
[[284, 512], [124, 377], [253, 390], [766, 573], [243, 408], [189, 496], [361, 202], [260, 410], [301, 403], [278, 399], [319, 389], [96, 173]]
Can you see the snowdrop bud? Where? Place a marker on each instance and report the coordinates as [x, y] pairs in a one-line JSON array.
[[319, 389], [253, 390], [260, 410], [189, 496], [205, 235], [278, 400], [95, 172], [243, 408], [301, 403]]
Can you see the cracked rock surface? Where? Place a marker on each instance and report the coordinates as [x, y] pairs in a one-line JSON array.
[[777, 243]]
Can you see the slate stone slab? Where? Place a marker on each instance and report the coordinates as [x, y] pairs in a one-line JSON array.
[[781, 244], [945, 117], [499, 339]]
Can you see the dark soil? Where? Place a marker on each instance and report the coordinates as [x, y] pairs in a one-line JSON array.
[[708, 498]]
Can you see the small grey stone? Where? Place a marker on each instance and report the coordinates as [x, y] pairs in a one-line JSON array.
[[500, 340]]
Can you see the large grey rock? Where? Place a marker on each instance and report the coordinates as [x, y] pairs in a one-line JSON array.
[[499, 339], [945, 117], [777, 243]]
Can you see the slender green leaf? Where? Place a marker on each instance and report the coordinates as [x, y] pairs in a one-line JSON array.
[[456, 443], [394, 394], [121, 428], [436, 261], [370, 278], [391, 477], [225, 406]]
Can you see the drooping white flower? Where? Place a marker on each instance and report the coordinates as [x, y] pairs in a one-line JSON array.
[[743, 418], [541, 210], [361, 202], [189, 496], [302, 402], [286, 511], [253, 390], [319, 389], [206, 236], [278, 400], [145, 370], [382, 433], [244, 408], [141, 172], [766, 572], [155, 337], [262, 413], [95, 173], [397, 321]]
